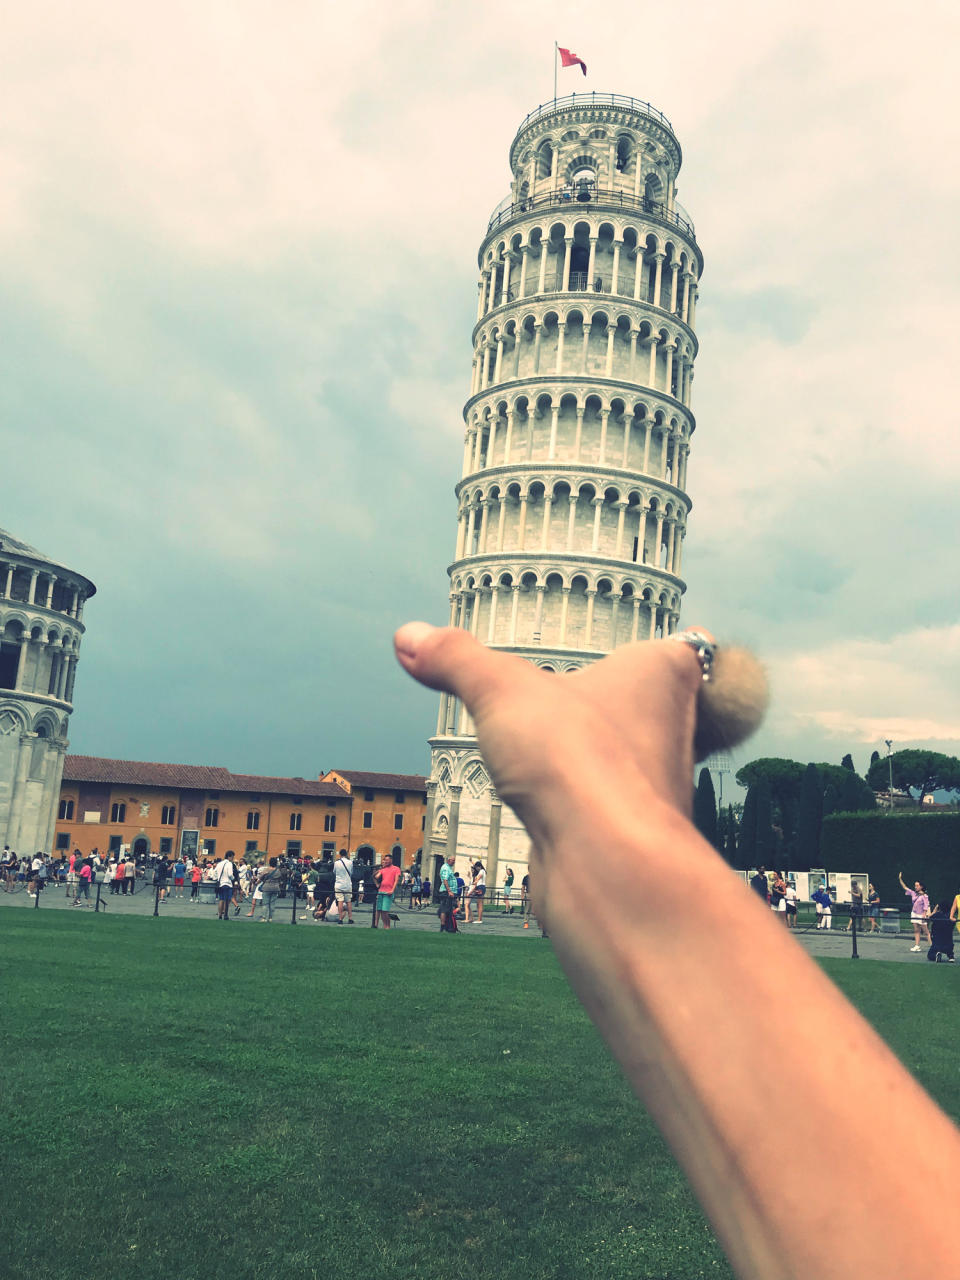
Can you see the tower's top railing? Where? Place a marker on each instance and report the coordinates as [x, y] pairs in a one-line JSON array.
[[598, 100], [578, 195]]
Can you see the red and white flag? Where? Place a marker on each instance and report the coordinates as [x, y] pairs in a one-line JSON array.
[[569, 59]]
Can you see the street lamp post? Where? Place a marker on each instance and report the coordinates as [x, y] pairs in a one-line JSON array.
[[889, 742]]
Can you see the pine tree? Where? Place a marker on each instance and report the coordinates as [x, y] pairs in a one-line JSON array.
[[809, 819], [705, 808], [847, 763]]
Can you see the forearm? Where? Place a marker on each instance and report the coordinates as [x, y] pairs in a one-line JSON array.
[[686, 980]]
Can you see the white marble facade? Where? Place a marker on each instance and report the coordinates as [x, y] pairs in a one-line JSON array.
[[41, 612], [572, 503]]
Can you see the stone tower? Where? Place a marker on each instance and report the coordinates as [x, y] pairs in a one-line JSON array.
[[572, 504], [41, 611]]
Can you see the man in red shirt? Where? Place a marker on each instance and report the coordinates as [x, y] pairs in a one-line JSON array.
[[386, 877]]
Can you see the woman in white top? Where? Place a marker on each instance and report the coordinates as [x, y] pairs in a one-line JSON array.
[[478, 887]]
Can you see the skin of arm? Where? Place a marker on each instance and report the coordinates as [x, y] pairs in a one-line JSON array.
[[604, 759]]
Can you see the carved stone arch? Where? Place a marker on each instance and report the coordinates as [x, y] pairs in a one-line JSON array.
[[475, 779], [45, 725], [13, 719]]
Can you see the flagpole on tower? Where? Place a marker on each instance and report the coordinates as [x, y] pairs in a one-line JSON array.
[[555, 47]]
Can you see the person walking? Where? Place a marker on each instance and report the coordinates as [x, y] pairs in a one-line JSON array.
[[758, 883], [824, 906], [269, 886], [448, 896], [179, 872], [941, 932], [790, 903], [919, 910], [386, 877], [196, 874], [343, 885], [476, 892], [856, 905], [225, 877], [873, 908], [84, 876], [507, 890]]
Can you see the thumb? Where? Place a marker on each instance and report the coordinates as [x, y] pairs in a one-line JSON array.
[[452, 660]]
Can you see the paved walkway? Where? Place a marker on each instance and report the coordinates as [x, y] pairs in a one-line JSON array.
[[835, 942], [141, 903]]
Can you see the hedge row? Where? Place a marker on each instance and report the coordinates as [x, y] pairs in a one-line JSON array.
[[924, 846]]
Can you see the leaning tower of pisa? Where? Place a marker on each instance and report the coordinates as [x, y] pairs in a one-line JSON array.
[[572, 503]]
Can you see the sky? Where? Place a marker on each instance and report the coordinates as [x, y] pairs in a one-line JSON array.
[[237, 286]]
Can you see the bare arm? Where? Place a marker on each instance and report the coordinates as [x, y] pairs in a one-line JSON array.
[[683, 979]]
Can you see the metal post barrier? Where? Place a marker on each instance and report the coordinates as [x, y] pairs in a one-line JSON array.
[[293, 909], [36, 897], [156, 899], [854, 955], [96, 905]]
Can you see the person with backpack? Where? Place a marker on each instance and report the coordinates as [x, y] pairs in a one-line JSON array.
[[225, 877], [269, 886], [941, 934]]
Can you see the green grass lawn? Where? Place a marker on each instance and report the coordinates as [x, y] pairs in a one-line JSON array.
[[184, 1101]]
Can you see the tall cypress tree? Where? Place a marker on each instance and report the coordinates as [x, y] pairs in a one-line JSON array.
[[705, 808], [847, 763], [730, 844], [765, 839], [748, 830], [809, 819]]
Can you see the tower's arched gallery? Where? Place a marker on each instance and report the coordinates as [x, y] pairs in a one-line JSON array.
[[41, 625], [572, 503]]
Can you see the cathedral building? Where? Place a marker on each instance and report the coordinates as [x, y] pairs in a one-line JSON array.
[[41, 626]]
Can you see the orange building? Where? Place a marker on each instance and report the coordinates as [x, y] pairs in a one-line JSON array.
[[389, 811], [196, 809]]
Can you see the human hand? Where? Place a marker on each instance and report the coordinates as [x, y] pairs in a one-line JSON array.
[[626, 726]]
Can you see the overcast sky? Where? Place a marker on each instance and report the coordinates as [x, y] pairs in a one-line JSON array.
[[237, 283]]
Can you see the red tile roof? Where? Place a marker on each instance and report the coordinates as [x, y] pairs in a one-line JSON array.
[[190, 777], [386, 781]]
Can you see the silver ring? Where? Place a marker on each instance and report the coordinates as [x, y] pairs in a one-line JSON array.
[[703, 647]]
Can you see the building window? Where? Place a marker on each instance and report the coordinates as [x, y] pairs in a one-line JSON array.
[[211, 818], [253, 820], [329, 822], [367, 820], [293, 848], [63, 839], [210, 848], [166, 844], [115, 843], [368, 794], [295, 821], [66, 810], [168, 815], [398, 822], [118, 813], [328, 847], [399, 797], [250, 846]]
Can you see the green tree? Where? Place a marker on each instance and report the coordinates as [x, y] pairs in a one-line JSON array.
[[916, 770], [847, 763], [705, 808], [874, 757], [730, 843], [809, 819], [747, 840], [831, 800], [765, 838]]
